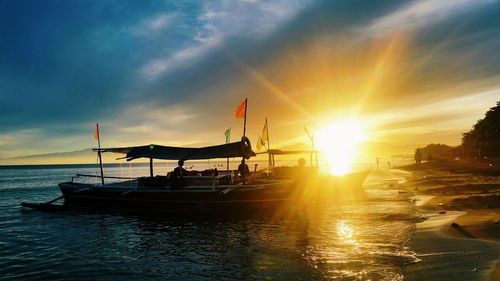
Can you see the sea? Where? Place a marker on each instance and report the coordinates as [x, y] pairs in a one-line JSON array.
[[340, 240]]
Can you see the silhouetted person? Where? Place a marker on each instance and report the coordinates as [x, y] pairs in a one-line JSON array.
[[243, 170], [418, 157], [176, 177], [179, 171]]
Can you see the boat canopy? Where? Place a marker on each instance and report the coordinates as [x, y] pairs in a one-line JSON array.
[[286, 152], [242, 148]]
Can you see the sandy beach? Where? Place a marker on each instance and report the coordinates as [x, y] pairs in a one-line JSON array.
[[461, 200]]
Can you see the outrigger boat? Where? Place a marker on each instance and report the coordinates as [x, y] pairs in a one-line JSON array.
[[208, 190], [193, 192], [178, 194]]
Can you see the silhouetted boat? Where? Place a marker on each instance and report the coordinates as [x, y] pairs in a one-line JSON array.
[[208, 190], [213, 190], [197, 192]]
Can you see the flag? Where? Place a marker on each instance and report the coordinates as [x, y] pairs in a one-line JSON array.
[[228, 135], [264, 138], [240, 110], [96, 133]]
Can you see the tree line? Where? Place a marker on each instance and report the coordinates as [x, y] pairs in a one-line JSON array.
[[483, 140]]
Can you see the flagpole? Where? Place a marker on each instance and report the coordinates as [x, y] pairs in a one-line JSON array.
[[311, 138], [228, 140], [99, 152], [267, 131], [269, 148], [245, 119]]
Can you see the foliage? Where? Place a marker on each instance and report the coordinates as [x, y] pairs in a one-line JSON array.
[[437, 151], [484, 138], [482, 141]]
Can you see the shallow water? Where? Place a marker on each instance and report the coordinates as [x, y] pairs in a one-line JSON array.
[[336, 241]]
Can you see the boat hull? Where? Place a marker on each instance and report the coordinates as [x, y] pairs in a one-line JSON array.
[[268, 194], [178, 200]]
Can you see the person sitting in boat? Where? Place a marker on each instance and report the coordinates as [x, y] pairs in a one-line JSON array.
[[176, 176], [179, 171], [243, 170]]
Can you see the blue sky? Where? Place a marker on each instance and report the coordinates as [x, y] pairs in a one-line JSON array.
[[172, 72]]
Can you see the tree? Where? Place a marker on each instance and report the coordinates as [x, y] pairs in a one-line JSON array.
[[484, 138]]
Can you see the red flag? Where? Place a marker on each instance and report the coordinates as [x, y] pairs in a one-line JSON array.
[[240, 110], [96, 133]]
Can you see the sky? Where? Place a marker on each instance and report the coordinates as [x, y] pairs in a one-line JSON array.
[[172, 72]]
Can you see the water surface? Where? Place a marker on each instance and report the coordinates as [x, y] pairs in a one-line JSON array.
[[337, 241]]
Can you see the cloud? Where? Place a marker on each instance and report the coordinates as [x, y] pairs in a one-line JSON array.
[[217, 21], [159, 66], [450, 117], [417, 14], [153, 25]]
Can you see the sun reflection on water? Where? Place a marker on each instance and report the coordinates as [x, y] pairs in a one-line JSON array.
[[346, 233]]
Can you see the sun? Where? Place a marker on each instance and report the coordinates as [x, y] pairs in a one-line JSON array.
[[338, 144]]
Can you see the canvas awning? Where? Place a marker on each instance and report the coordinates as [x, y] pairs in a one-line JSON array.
[[235, 149], [286, 152]]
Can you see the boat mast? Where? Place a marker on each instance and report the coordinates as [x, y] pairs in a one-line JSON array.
[[151, 166], [99, 151], [228, 140], [311, 137], [269, 148], [151, 147]]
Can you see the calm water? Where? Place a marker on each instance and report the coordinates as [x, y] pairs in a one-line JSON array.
[[338, 241]]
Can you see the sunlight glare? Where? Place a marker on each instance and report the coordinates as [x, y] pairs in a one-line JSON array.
[[338, 144]]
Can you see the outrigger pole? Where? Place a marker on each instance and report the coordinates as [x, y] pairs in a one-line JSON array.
[[99, 150]]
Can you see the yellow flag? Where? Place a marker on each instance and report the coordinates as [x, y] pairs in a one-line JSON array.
[[259, 143], [264, 138]]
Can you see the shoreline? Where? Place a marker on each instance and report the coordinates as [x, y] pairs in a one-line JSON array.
[[462, 211], [448, 257], [447, 190]]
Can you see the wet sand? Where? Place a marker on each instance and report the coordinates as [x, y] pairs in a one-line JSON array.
[[461, 203]]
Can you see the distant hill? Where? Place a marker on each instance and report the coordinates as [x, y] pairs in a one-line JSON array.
[[83, 156], [83, 152]]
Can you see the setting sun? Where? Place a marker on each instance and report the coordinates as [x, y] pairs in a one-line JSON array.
[[338, 144]]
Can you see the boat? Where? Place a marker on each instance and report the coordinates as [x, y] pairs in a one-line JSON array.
[[210, 189]]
